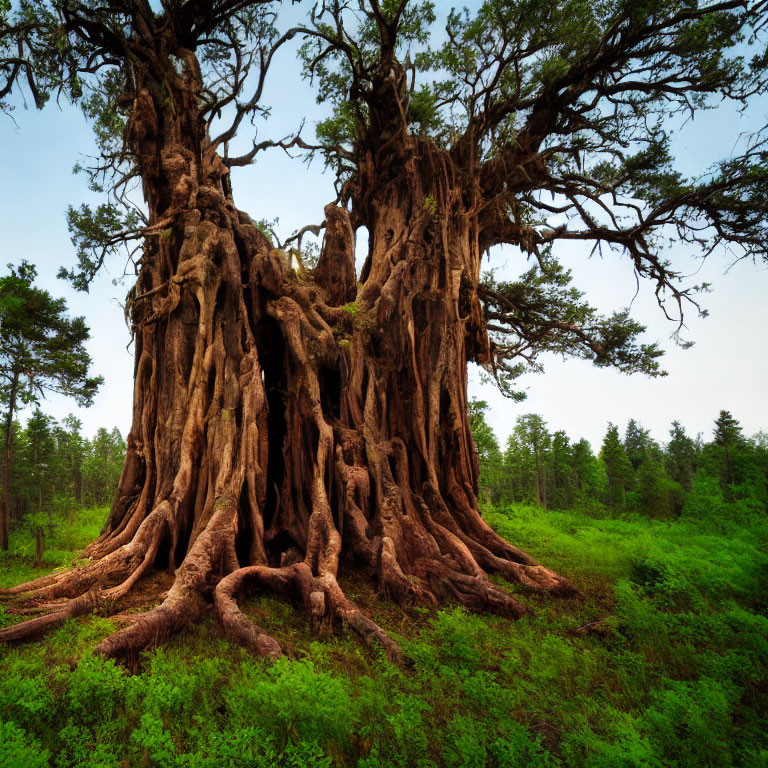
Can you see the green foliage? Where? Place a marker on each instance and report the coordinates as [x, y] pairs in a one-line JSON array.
[[683, 478], [692, 722], [542, 311], [675, 676], [292, 698], [41, 349], [618, 468], [17, 750], [55, 470], [101, 466], [681, 456], [72, 532], [97, 234], [362, 317], [486, 444], [96, 691]]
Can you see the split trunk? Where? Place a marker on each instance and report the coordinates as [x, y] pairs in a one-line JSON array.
[[283, 427]]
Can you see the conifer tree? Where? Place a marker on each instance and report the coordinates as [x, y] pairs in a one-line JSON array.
[[589, 474], [492, 476], [71, 447], [102, 463], [638, 443], [560, 472], [40, 459], [532, 433], [41, 350], [618, 468], [681, 456], [727, 437]]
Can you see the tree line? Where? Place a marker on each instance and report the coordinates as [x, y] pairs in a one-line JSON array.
[[631, 472], [55, 470]]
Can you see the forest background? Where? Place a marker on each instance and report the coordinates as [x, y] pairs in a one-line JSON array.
[[662, 661]]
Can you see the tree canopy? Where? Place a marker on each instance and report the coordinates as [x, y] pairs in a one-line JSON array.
[[563, 115], [97, 56], [685, 478], [42, 349]]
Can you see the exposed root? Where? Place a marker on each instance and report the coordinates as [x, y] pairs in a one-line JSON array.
[[321, 598], [32, 628], [534, 578], [475, 593], [240, 629], [29, 586], [153, 627], [363, 626], [491, 552], [185, 601]]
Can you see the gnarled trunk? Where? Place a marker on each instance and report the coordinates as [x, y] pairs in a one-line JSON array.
[[282, 426]]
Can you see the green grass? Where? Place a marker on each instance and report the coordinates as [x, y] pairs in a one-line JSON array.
[[675, 676], [70, 537]]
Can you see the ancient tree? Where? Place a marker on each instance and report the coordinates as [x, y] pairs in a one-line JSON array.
[[287, 425]]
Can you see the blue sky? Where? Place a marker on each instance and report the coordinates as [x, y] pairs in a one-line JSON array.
[[726, 369]]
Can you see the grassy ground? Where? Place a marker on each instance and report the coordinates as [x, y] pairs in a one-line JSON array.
[[673, 672]]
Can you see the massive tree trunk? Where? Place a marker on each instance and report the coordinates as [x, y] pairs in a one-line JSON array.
[[284, 428]]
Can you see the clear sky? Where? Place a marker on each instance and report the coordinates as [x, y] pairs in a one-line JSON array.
[[726, 369]]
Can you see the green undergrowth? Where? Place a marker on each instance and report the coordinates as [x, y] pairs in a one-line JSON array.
[[71, 534], [663, 661]]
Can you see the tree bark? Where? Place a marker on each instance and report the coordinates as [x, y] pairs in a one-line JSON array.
[[284, 428]]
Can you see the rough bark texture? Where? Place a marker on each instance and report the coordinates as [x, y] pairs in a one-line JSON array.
[[282, 427]]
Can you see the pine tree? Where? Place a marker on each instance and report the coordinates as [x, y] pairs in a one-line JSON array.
[[520, 471], [618, 468], [40, 459], [489, 457], [654, 493], [531, 431], [728, 437], [638, 443], [41, 350], [71, 449], [560, 472], [486, 443], [589, 475], [102, 464], [681, 456]]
